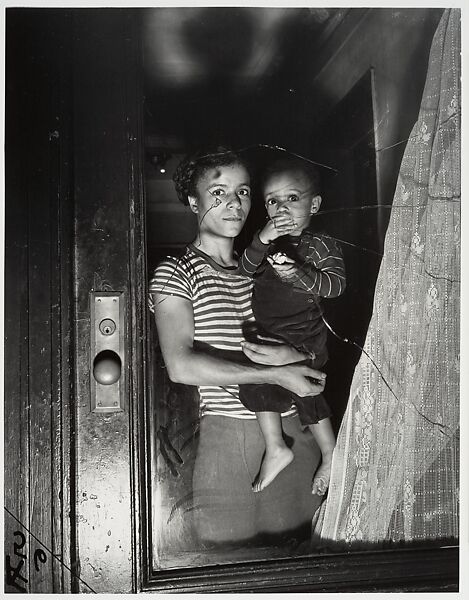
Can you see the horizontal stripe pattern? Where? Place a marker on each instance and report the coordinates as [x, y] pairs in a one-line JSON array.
[[319, 268], [222, 309], [323, 271]]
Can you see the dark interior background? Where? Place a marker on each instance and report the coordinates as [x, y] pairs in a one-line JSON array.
[[340, 86]]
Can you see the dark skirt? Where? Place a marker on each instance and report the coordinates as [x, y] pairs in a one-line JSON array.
[[273, 398]]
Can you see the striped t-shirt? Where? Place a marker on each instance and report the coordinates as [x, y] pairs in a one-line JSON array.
[[221, 300]]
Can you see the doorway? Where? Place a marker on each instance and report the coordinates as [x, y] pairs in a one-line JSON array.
[[202, 90]]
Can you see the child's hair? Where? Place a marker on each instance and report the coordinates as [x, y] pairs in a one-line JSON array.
[[193, 167], [292, 163]]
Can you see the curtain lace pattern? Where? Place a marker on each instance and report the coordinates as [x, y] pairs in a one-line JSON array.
[[395, 474]]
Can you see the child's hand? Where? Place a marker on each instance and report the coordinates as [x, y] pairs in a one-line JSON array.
[[276, 227], [283, 265], [279, 258]]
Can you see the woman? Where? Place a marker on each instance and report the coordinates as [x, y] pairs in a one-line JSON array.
[[203, 313]]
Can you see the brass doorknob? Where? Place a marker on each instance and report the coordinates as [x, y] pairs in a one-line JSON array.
[[107, 367]]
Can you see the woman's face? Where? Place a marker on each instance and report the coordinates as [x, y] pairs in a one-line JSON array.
[[223, 200]]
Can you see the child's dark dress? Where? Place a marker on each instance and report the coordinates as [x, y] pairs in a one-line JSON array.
[[289, 309]]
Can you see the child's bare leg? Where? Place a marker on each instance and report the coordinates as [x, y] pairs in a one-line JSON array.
[[324, 436], [277, 454]]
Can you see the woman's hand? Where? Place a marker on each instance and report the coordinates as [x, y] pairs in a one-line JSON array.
[[275, 355], [301, 380]]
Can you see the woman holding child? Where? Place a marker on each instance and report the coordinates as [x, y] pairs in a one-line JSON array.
[[202, 306]]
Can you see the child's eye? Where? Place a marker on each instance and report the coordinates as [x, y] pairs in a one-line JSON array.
[[293, 198], [271, 201]]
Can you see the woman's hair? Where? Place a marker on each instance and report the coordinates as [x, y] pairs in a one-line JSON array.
[[193, 167], [292, 163]]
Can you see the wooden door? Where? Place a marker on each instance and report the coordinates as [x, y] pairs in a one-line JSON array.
[[109, 258], [73, 230], [38, 501]]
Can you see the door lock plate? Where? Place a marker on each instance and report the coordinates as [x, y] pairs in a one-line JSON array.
[[107, 369]]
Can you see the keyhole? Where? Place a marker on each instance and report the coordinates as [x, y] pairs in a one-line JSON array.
[[107, 327]]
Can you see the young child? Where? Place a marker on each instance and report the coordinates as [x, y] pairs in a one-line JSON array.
[[293, 269]]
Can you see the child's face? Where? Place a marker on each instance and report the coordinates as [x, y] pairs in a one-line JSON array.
[[291, 193]]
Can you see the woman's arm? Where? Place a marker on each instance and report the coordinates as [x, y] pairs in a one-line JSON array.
[[175, 325], [275, 354]]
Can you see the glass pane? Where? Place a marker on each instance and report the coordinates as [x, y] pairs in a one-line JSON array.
[[238, 77]]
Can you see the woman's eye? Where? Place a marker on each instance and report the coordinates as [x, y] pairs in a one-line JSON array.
[[244, 192], [217, 192]]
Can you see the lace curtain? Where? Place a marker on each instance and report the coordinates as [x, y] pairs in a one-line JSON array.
[[395, 474]]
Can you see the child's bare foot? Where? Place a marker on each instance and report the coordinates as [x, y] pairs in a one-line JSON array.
[[274, 461], [321, 479]]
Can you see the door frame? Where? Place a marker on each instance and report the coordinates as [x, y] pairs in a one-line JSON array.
[[39, 503]]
